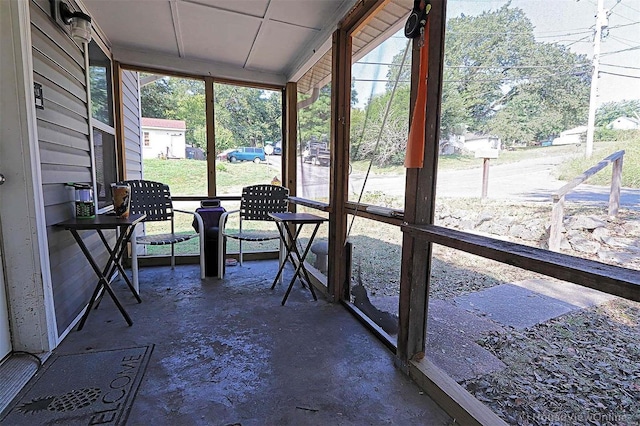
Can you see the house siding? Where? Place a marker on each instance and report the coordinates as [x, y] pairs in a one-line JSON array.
[[65, 156], [131, 123]]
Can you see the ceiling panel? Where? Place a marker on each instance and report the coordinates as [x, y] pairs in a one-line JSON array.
[[306, 13], [245, 7], [140, 24], [276, 42], [216, 35]]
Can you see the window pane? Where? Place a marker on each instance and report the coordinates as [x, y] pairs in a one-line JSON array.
[[174, 133], [313, 159], [247, 121], [104, 150], [380, 122], [100, 85]]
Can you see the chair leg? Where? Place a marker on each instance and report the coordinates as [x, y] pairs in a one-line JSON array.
[[221, 259], [173, 256], [281, 256], [240, 248], [202, 265], [134, 261]]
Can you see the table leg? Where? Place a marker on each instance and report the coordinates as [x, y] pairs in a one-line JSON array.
[[102, 281], [120, 249], [301, 268], [288, 246]]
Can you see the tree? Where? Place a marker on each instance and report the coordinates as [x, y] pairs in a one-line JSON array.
[[502, 81], [177, 99], [251, 116], [610, 111]]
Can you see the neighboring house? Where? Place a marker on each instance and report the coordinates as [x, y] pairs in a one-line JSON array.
[[454, 144], [573, 136], [473, 142], [163, 138], [624, 123]]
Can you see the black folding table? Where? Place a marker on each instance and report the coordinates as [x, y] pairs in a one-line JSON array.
[[125, 226], [284, 220]]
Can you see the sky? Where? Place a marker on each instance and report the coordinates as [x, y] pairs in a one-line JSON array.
[[568, 22]]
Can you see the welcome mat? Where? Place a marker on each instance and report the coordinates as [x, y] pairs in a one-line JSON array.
[[82, 389]]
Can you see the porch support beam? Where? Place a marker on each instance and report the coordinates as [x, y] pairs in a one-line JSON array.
[[289, 126], [211, 136], [339, 173], [420, 195], [119, 121]]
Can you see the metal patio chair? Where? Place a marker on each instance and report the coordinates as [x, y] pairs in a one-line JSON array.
[[255, 205], [154, 200]]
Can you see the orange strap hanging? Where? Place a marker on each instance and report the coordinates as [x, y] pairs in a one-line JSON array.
[[414, 157]]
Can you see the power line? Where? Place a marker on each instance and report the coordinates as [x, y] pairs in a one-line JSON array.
[[625, 41], [621, 66], [624, 25], [620, 51], [620, 75]]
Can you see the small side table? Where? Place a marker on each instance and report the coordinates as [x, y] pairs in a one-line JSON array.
[[283, 220], [98, 224]]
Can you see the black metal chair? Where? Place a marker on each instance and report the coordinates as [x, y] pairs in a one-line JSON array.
[[255, 205], [154, 200]]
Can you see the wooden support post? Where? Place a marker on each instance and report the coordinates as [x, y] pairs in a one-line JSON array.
[[339, 175], [485, 177], [616, 183], [289, 126], [557, 217], [211, 136], [420, 204], [121, 146]]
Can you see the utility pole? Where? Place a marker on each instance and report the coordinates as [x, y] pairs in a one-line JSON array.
[[601, 22]]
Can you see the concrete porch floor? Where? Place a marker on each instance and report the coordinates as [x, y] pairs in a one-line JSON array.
[[226, 352]]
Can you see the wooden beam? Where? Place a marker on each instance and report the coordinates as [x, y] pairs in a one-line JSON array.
[[211, 136], [339, 174], [610, 279], [360, 15], [290, 140], [119, 121], [420, 195], [453, 398]]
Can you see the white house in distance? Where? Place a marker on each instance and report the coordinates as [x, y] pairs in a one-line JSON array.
[[624, 123], [163, 138], [474, 142], [573, 136]]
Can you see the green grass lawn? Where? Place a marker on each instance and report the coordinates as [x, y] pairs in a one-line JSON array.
[[189, 177], [601, 150]]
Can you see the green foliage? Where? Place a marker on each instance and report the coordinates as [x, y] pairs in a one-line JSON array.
[[610, 111], [629, 142], [246, 116], [177, 99], [499, 80], [314, 121]]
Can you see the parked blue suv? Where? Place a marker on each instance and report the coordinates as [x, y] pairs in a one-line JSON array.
[[246, 154]]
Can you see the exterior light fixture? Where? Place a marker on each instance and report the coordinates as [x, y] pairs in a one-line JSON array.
[[80, 22]]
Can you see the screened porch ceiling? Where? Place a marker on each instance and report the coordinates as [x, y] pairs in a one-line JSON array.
[[261, 41]]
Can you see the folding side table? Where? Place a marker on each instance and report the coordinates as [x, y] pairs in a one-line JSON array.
[[98, 224], [283, 221]]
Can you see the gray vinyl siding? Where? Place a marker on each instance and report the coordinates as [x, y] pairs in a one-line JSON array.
[[131, 122], [65, 156]]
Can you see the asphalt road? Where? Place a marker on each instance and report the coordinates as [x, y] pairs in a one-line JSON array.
[[529, 180]]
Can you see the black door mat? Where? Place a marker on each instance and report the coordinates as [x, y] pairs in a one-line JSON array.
[[88, 388]]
